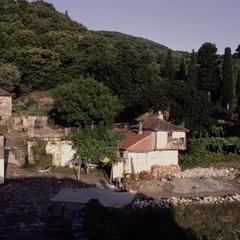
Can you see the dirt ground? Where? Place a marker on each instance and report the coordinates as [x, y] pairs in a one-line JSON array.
[[187, 187]]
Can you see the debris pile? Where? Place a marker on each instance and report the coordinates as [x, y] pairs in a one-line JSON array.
[[176, 201], [158, 172]]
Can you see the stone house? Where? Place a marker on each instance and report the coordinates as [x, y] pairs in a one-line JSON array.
[[5, 106], [152, 142]]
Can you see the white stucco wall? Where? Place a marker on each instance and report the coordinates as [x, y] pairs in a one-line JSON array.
[[138, 162], [1, 171], [61, 151], [161, 141], [144, 161], [117, 170], [2, 165], [179, 135]]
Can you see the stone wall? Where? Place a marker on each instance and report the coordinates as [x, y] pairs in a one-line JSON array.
[[47, 134], [20, 123], [62, 152], [5, 108]]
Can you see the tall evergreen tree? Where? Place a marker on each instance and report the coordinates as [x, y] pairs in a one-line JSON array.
[[182, 73], [192, 78], [228, 88], [238, 51], [238, 88], [208, 72], [168, 71]]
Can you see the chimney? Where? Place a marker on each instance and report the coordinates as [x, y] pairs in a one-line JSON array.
[[140, 128], [160, 115]]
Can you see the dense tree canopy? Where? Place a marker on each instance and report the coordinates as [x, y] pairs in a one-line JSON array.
[[85, 102], [9, 77], [42, 49]]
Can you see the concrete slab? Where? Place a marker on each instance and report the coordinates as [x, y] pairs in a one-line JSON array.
[[82, 195]]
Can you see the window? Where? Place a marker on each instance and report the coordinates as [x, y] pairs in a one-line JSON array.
[[2, 102], [169, 136], [121, 154]]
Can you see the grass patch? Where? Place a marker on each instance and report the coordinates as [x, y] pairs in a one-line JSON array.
[[210, 221], [203, 222], [209, 160]]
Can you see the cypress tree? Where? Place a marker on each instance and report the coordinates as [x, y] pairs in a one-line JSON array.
[[228, 88], [209, 77], [193, 70], [182, 73], [238, 88], [169, 67]]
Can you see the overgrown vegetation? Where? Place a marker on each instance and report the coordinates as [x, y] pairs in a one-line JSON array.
[[40, 157], [85, 102], [99, 145], [212, 151]]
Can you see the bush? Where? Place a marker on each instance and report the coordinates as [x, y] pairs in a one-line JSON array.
[[40, 157]]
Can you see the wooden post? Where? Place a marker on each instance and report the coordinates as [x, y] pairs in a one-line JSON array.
[[79, 171], [111, 174]]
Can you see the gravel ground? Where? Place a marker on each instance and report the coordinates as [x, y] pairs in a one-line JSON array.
[[204, 186]]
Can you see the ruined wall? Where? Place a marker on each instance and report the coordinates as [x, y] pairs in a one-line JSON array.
[[5, 108], [62, 152]]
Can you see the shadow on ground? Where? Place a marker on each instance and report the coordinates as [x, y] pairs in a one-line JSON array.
[[24, 205]]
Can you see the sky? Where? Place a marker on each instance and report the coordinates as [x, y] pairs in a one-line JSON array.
[[177, 24]]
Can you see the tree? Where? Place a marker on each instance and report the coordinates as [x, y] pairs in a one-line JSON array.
[[238, 88], [9, 77], [85, 102], [208, 71], [182, 73], [238, 51], [192, 78], [228, 88], [39, 67], [96, 144], [168, 71]]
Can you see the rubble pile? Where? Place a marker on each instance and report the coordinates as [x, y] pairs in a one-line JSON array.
[[177, 201], [229, 173], [158, 172]]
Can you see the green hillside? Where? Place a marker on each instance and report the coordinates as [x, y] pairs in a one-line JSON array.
[[41, 49]]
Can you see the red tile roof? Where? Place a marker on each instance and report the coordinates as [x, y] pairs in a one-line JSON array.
[[132, 138], [155, 124]]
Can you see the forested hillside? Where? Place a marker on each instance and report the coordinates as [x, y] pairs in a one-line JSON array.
[[42, 49]]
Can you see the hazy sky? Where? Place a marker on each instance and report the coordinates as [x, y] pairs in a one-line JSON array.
[[178, 24]]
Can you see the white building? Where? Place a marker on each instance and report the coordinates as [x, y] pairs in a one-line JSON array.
[[2, 164], [152, 142]]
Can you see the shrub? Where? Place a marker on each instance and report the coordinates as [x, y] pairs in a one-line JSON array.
[[40, 157]]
